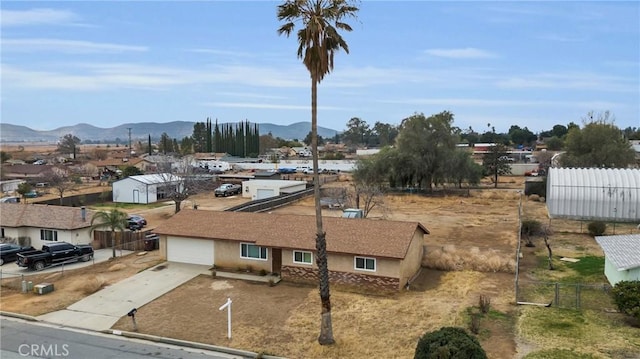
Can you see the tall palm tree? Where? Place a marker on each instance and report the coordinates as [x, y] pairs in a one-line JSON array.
[[114, 220], [318, 41]]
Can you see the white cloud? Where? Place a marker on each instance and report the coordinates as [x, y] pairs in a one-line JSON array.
[[575, 81], [66, 46], [475, 102], [465, 53], [36, 17], [250, 95]]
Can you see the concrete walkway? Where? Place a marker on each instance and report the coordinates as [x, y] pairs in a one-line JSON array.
[[101, 310]]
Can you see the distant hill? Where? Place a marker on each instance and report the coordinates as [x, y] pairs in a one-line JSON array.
[[141, 130]]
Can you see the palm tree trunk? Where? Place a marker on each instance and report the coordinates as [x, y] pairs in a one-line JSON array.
[[326, 328], [113, 243]]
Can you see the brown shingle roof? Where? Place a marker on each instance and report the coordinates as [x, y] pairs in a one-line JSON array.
[[377, 238], [43, 216]]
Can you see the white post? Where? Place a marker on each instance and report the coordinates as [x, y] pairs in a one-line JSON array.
[[228, 306]]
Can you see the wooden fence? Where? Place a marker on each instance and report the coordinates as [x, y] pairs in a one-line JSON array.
[[127, 240]]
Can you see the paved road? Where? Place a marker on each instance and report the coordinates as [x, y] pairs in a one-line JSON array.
[[28, 340], [11, 270], [101, 310]]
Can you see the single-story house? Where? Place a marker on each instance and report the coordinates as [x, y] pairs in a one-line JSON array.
[[372, 253], [119, 163], [38, 224], [10, 186], [146, 188], [259, 189], [621, 257], [28, 172]]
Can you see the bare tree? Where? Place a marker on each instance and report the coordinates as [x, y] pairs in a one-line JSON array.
[[61, 180], [179, 180]]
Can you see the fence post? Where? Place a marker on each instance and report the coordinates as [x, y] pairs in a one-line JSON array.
[[557, 296]]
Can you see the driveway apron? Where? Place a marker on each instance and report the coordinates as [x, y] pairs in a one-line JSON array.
[[101, 310]]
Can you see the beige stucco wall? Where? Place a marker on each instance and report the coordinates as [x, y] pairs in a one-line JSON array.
[[345, 263], [78, 236], [227, 255], [411, 264]]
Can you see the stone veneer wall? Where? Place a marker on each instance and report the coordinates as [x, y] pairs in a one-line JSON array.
[[310, 275]]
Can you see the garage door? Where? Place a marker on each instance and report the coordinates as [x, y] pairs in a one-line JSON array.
[[266, 193], [186, 250]]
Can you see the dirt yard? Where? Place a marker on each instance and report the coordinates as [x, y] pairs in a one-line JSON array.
[[475, 232]]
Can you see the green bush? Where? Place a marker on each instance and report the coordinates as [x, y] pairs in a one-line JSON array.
[[626, 295], [450, 343], [597, 228]]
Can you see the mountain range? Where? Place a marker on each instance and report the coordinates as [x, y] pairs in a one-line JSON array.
[[141, 130]]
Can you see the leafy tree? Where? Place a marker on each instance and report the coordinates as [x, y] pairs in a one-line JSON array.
[[386, 134], [114, 220], [470, 136], [632, 133], [318, 41], [307, 139], [554, 143], [166, 144], [496, 163], [598, 144], [461, 167], [129, 171], [23, 189], [199, 137], [449, 343], [4, 156], [267, 142], [357, 132], [559, 131], [69, 144], [186, 146], [626, 295], [521, 136], [427, 142]]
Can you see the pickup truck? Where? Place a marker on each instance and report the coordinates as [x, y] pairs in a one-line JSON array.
[[54, 253], [228, 189]]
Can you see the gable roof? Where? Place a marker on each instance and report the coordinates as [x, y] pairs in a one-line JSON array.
[[153, 178], [117, 162], [376, 238], [43, 216], [622, 250]]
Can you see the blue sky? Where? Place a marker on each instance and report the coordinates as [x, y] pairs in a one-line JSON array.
[[533, 64]]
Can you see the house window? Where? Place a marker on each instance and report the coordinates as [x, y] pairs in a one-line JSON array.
[[48, 235], [364, 263], [251, 251], [302, 257]]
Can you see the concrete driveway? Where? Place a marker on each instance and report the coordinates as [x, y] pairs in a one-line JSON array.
[[11, 270], [101, 310]]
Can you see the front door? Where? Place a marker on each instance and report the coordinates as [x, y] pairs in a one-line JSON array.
[[276, 262], [136, 196]]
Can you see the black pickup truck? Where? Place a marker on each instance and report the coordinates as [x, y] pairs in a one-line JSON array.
[[54, 253]]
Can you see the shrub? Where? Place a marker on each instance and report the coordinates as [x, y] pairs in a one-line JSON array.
[[449, 342], [597, 228], [626, 295], [531, 227]]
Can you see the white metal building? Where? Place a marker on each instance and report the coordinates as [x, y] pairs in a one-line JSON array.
[[605, 194], [145, 188], [259, 189], [621, 257]]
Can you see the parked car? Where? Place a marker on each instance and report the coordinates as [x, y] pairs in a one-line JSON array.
[[52, 253], [138, 219], [9, 252], [134, 226], [12, 199], [228, 189], [32, 194]]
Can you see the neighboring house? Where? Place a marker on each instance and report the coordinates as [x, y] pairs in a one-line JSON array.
[[587, 194], [38, 224], [621, 257], [10, 185], [260, 189], [30, 172], [110, 165], [300, 152], [371, 253], [146, 188]]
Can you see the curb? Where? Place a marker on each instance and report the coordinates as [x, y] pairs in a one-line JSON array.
[[185, 343], [19, 316]]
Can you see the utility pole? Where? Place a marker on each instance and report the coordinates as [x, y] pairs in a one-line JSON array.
[[130, 155]]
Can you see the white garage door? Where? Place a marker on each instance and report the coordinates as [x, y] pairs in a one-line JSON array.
[[187, 250], [265, 193]]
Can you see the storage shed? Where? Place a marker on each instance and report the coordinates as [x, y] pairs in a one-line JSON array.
[[146, 188], [604, 194], [260, 189], [621, 257]]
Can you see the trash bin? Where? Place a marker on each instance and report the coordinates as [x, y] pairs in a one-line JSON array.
[[148, 244]]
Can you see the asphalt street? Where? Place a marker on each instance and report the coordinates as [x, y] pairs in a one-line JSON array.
[[22, 339]]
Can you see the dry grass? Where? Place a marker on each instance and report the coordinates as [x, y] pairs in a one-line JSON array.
[[451, 258], [93, 284], [116, 267]]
